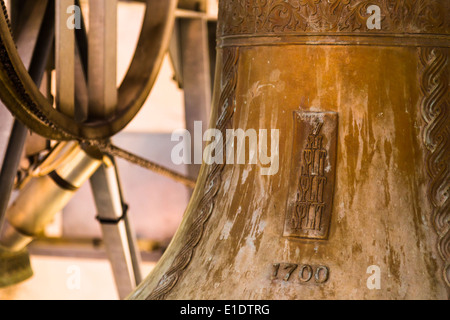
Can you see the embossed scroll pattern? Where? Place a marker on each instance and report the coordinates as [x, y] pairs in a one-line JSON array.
[[212, 183], [239, 17], [436, 137]]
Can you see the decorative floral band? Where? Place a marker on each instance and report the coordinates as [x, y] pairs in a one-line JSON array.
[[247, 17]]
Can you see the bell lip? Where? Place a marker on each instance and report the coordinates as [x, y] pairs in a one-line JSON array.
[[15, 267]]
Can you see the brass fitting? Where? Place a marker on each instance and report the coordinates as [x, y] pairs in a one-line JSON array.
[[51, 187]]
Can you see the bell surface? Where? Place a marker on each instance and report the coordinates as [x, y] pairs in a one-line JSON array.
[[15, 267], [349, 195]]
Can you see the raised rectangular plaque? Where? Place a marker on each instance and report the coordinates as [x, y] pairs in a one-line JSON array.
[[312, 175]]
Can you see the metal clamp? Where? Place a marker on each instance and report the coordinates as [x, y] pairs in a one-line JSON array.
[[114, 221]]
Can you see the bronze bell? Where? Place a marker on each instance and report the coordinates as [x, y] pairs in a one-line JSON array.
[[15, 267], [359, 206]]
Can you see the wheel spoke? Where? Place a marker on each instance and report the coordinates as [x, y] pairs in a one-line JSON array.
[[102, 70], [65, 58]]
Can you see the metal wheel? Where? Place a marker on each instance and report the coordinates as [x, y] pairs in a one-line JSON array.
[[106, 117]]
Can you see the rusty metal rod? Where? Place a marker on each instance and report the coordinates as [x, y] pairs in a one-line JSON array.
[[10, 165], [19, 132]]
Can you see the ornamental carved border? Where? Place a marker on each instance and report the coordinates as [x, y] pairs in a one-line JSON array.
[[434, 84], [212, 183], [245, 17]]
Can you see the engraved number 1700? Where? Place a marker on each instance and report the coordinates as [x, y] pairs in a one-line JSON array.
[[305, 274]]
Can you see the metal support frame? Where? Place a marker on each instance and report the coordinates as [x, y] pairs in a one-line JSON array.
[[196, 77], [36, 30], [11, 162], [117, 232], [192, 52], [118, 235], [35, 41]]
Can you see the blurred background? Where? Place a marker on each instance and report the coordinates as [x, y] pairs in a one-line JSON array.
[[69, 260]]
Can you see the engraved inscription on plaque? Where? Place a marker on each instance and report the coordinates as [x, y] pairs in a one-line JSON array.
[[312, 175]]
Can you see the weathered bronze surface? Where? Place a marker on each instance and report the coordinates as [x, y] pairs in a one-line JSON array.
[[388, 88]]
